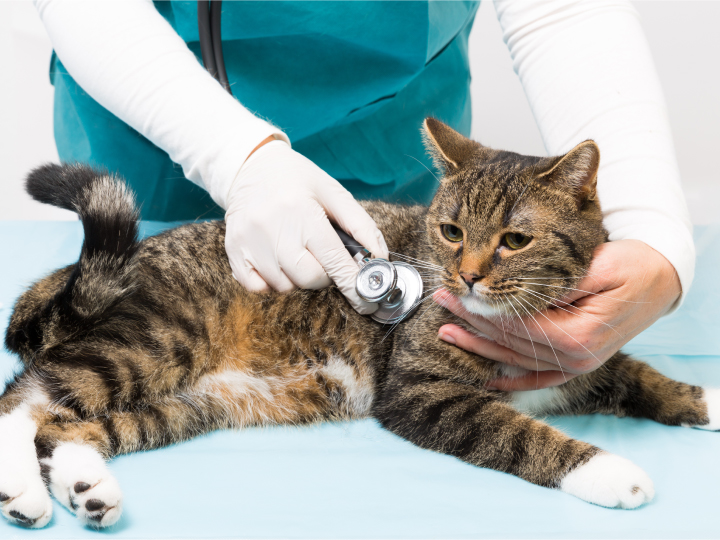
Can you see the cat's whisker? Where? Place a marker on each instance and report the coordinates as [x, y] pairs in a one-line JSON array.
[[589, 315], [503, 314], [421, 163], [409, 257], [543, 331], [557, 277], [495, 304], [587, 292], [568, 335], [417, 261], [417, 304], [532, 344]]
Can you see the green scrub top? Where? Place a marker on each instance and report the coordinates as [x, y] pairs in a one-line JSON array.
[[349, 82]]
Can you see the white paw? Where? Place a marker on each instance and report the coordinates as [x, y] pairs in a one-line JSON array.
[[81, 481], [23, 496], [609, 480], [711, 396]]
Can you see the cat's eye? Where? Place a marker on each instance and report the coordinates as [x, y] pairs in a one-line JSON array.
[[516, 240], [451, 232]]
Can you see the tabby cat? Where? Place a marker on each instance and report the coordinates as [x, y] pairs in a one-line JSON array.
[[142, 344]]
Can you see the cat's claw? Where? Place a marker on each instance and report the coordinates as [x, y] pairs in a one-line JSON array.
[[81, 481], [609, 480]]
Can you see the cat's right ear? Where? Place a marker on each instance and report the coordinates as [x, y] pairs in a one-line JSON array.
[[575, 172], [448, 148]]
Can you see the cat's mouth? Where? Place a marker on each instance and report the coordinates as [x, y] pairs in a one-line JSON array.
[[481, 301]]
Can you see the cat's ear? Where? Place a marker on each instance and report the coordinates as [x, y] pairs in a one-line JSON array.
[[576, 171], [448, 148]]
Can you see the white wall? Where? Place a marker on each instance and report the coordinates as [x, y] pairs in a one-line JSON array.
[[26, 95], [682, 34]]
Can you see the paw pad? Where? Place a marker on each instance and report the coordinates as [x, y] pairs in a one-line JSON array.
[[81, 487]]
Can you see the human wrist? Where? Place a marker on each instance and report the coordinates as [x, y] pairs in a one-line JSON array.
[[263, 143], [233, 159]]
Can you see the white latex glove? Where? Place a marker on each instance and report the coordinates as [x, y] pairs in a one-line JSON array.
[[278, 233]]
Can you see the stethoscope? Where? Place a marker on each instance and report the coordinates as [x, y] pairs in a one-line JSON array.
[[395, 286]]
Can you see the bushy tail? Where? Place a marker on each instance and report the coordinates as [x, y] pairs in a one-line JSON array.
[[77, 296], [105, 205]]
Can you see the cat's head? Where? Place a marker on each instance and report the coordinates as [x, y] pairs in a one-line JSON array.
[[512, 232]]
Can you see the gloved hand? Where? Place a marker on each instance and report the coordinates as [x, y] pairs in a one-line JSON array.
[[278, 233]]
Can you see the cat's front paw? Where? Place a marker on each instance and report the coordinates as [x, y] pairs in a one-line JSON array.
[[81, 481], [711, 397], [609, 480]]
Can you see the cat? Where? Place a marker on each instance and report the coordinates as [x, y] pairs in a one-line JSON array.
[[141, 344]]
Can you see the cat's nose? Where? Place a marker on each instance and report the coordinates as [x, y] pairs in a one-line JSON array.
[[470, 279]]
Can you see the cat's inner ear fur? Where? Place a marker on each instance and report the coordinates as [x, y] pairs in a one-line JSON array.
[[448, 148], [575, 172]]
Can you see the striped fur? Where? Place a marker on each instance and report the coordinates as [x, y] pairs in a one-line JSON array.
[[142, 344]]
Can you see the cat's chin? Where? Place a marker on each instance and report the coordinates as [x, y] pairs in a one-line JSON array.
[[478, 306]]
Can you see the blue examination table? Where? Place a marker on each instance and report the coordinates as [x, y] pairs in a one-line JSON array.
[[355, 480]]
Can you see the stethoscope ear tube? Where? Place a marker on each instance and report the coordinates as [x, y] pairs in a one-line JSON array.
[[352, 245], [209, 30]]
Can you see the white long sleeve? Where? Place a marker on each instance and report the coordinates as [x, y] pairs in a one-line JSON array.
[[588, 73], [132, 62]]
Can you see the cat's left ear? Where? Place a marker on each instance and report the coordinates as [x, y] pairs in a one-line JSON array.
[[576, 171]]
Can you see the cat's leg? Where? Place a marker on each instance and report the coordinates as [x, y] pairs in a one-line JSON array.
[[628, 387], [477, 426], [24, 499], [73, 454]]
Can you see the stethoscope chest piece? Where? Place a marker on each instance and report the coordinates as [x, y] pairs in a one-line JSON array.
[[395, 286]]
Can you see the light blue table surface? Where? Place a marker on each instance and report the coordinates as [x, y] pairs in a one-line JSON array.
[[354, 480]]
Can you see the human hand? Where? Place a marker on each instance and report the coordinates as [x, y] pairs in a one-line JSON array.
[[628, 287], [278, 233]]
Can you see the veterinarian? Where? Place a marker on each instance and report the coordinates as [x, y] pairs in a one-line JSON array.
[[330, 97]]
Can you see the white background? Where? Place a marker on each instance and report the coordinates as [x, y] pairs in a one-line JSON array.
[[684, 36]]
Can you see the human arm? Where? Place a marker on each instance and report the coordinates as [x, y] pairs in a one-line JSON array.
[[130, 60], [588, 74]]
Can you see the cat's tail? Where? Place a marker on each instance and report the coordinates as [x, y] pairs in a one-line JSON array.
[[84, 292], [73, 300], [104, 203]]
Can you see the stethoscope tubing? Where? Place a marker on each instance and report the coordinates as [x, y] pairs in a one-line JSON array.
[[210, 32]]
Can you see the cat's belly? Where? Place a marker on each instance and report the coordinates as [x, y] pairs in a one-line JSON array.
[[290, 395]]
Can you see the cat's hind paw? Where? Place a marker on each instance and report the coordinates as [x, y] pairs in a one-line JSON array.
[[26, 502], [82, 482], [24, 499], [609, 480], [711, 397]]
